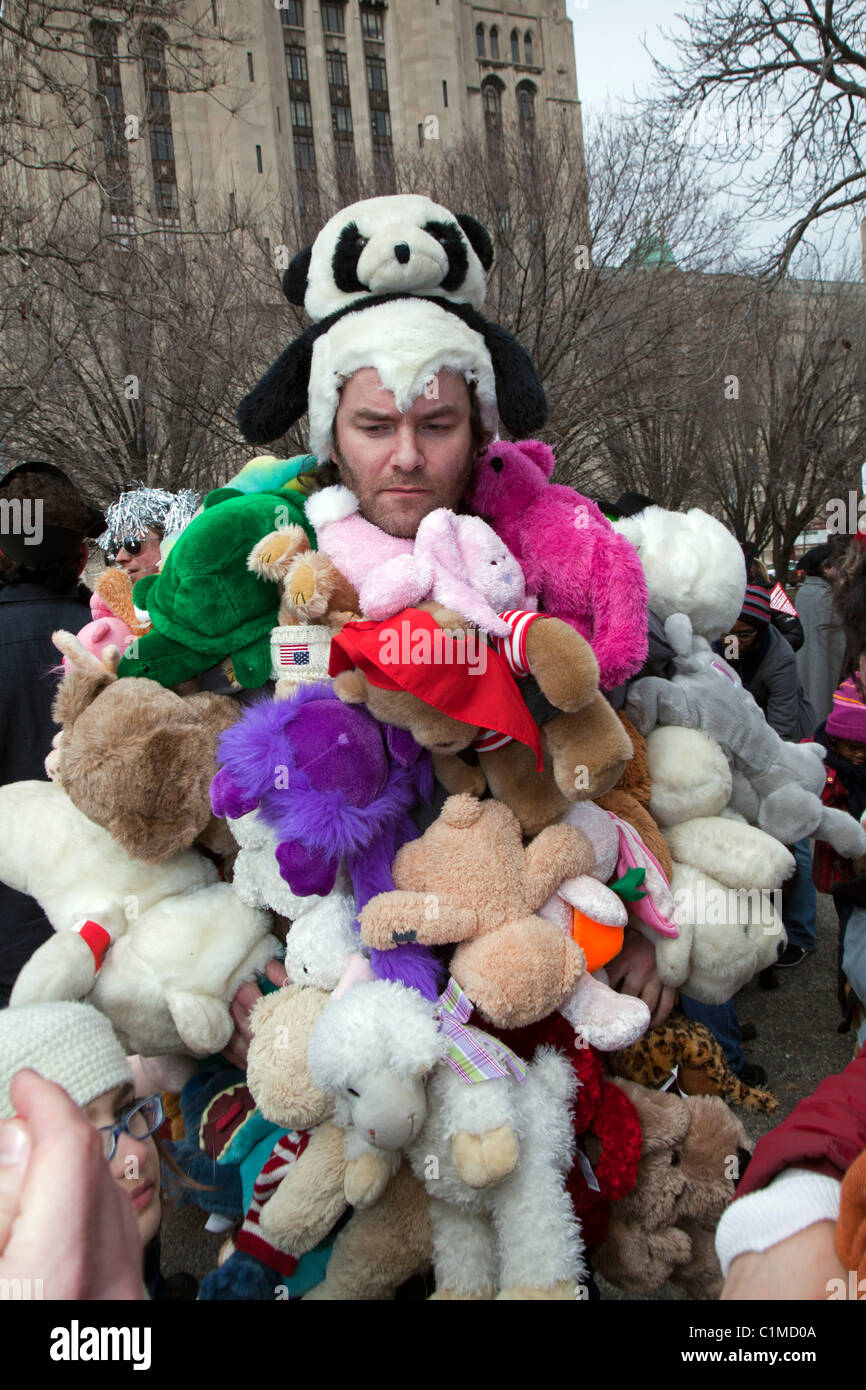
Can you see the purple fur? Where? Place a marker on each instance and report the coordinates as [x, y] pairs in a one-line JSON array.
[[349, 802]]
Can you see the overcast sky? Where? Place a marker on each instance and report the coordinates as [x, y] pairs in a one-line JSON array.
[[613, 65]]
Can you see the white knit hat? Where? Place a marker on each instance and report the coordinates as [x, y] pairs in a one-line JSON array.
[[72, 1044]]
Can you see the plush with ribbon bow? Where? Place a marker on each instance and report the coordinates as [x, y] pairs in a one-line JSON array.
[[492, 1155]]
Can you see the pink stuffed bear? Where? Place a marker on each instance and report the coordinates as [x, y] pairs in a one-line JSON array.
[[105, 629], [457, 560], [573, 561]]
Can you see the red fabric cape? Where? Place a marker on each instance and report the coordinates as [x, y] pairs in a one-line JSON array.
[[490, 699]]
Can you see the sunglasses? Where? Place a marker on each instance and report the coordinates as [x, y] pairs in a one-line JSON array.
[[131, 544], [141, 1121]]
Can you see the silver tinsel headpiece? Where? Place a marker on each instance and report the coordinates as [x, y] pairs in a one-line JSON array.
[[134, 512]]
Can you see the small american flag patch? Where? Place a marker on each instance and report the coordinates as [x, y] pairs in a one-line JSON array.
[[294, 654]]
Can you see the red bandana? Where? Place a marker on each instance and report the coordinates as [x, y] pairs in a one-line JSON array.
[[411, 652]]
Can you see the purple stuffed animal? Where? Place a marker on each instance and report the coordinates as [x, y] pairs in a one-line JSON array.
[[573, 561], [336, 787]]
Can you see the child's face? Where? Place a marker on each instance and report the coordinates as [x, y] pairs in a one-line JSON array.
[[135, 1164], [854, 752]]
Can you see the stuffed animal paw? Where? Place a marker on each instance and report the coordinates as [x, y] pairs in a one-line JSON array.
[[482, 1159], [366, 1179]]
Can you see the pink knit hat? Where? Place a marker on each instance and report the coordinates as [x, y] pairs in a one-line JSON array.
[[847, 718]]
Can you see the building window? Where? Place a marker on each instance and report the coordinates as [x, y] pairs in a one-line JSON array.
[[515, 46], [213, 10], [341, 120], [373, 25], [494, 42], [279, 122], [250, 67], [292, 13], [305, 151], [259, 158], [296, 63], [380, 122], [527, 48], [161, 141], [122, 228], [479, 40], [526, 109], [302, 114], [333, 18], [338, 71], [377, 75], [109, 92], [491, 98], [421, 134], [444, 92]]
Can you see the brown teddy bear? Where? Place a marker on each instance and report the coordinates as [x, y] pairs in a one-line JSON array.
[[389, 1238], [693, 1153], [630, 798], [584, 747], [312, 589], [469, 880], [138, 759]]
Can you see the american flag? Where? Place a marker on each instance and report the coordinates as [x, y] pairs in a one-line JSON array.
[[294, 654]]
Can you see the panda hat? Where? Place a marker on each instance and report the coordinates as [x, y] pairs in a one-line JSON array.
[[394, 283]]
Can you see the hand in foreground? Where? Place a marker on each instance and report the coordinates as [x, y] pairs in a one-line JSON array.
[[63, 1218], [240, 1009], [634, 972], [799, 1268]]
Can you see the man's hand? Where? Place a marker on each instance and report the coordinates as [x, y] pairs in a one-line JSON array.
[[634, 972], [240, 1009], [800, 1267], [63, 1218]]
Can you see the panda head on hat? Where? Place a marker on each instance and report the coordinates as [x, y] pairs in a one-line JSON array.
[[399, 244]]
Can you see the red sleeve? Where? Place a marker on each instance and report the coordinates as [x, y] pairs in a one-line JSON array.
[[824, 1133]]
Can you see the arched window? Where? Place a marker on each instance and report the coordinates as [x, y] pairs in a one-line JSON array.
[[526, 108], [527, 48], [479, 40], [515, 46], [491, 98], [494, 42]]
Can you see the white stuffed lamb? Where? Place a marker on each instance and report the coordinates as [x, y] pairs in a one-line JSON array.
[[492, 1154], [178, 943], [726, 872]]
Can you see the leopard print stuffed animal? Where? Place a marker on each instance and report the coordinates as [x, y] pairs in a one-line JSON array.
[[702, 1069]]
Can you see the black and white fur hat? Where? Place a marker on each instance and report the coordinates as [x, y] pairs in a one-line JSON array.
[[394, 283]]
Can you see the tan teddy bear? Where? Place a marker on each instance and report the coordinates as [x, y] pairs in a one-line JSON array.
[[469, 880]]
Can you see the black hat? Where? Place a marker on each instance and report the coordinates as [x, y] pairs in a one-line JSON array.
[[51, 532]]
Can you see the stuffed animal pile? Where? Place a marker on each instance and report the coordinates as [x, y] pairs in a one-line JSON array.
[[391, 764]]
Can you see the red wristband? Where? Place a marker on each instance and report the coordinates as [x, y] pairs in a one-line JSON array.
[[97, 938]]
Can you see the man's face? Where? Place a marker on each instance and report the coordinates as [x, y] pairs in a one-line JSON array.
[[742, 637], [401, 467], [145, 560]]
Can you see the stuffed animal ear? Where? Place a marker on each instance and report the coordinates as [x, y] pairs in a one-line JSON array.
[[520, 396], [400, 744], [538, 453], [478, 238], [295, 278], [280, 398]]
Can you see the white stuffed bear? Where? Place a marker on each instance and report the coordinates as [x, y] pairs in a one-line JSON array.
[[177, 942], [493, 1154], [726, 874]]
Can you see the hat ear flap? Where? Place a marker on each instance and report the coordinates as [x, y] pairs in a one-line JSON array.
[[295, 278], [478, 238]]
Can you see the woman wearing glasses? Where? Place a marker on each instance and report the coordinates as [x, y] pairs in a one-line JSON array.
[[74, 1046]]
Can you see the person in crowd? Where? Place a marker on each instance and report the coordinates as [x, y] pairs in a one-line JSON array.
[[843, 734], [819, 660], [785, 618], [137, 524], [94, 1214], [40, 593]]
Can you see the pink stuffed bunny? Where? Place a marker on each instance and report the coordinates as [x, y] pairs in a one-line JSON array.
[[572, 560], [457, 560]]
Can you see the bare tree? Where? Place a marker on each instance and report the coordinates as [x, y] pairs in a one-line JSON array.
[[782, 82]]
